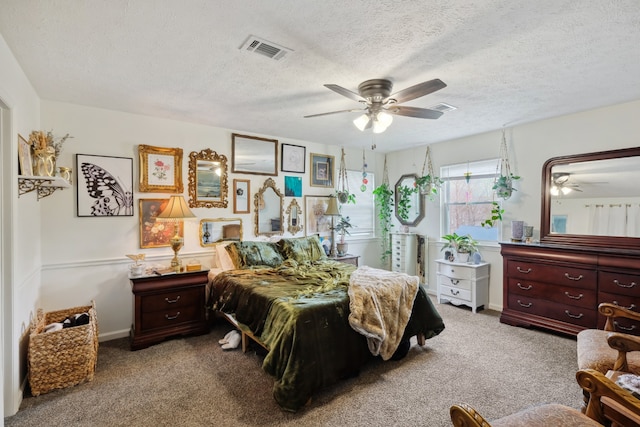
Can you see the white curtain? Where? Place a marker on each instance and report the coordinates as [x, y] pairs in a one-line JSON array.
[[615, 220]]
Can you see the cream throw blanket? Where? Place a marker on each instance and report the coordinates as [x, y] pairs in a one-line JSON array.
[[380, 304]]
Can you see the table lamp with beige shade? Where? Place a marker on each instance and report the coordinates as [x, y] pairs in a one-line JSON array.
[[175, 211]]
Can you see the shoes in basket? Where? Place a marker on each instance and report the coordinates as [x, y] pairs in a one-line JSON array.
[[233, 342]]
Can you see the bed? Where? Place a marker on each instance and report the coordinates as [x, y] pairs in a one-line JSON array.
[[294, 301]]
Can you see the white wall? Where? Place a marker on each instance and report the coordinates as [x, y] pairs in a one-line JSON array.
[[530, 145], [84, 258], [20, 228]]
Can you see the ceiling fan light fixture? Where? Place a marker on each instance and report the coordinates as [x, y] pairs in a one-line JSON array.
[[385, 119], [565, 190], [361, 122], [554, 190]]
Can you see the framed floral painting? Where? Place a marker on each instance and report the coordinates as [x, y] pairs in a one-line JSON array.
[[160, 169], [156, 234]]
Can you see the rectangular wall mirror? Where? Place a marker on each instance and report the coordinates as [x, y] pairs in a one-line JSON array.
[[215, 230], [253, 155]]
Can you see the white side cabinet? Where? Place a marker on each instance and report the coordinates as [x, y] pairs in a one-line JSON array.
[[463, 284], [404, 253]]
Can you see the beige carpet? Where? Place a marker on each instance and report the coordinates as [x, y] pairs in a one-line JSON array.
[[498, 369]]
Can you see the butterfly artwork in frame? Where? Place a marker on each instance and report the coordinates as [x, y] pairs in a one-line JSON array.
[[105, 185]]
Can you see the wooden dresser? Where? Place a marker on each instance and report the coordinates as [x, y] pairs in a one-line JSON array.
[[404, 253], [559, 287], [168, 305]]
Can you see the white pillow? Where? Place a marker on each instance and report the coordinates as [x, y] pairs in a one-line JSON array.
[[224, 261]]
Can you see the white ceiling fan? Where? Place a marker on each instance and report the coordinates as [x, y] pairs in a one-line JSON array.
[[379, 105]]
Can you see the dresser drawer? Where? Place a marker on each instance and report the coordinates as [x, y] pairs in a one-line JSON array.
[[559, 274], [171, 317], [561, 294], [619, 283], [570, 314], [462, 272], [454, 283], [172, 300], [459, 294]]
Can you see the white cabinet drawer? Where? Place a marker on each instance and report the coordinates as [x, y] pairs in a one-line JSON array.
[[460, 294], [456, 272], [455, 283]]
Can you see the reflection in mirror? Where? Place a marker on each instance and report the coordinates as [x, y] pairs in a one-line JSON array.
[[591, 198], [294, 217], [250, 154], [214, 230], [207, 179], [414, 203], [268, 205]]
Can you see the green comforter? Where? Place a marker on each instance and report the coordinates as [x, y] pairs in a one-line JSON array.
[[300, 312]]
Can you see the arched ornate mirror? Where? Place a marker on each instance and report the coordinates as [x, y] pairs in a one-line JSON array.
[[294, 217], [592, 199], [207, 179], [268, 206], [409, 204]]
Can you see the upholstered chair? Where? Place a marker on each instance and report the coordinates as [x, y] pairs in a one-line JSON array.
[[604, 349], [603, 391]]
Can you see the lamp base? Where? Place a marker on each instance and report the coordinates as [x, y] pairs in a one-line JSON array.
[[176, 244]]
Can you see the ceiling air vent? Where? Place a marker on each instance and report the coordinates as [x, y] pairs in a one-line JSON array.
[[443, 107], [266, 48]]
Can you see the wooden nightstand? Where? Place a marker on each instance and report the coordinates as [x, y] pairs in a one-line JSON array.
[[168, 305], [347, 259]]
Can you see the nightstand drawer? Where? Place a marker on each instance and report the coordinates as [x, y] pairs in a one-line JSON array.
[[456, 272], [163, 319], [455, 283], [171, 300], [461, 294]]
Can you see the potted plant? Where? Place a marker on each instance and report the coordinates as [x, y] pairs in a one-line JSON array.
[[404, 201], [504, 185], [462, 245], [342, 227], [383, 196], [428, 185], [344, 196]]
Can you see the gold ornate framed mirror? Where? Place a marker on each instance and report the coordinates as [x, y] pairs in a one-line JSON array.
[[294, 217], [268, 206], [215, 230], [207, 179]]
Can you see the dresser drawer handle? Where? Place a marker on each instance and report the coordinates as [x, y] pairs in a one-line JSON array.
[[527, 271], [631, 307], [570, 277], [525, 305], [172, 301], [574, 296], [454, 282], [574, 316], [630, 285], [172, 317], [624, 328], [523, 287], [454, 292]]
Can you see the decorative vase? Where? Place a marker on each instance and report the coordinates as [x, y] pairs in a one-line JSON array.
[[44, 162], [463, 257], [517, 230], [342, 248]]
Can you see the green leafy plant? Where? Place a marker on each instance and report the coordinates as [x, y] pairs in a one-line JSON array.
[[496, 215], [342, 227], [461, 244], [344, 196], [504, 185], [383, 197], [404, 201], [428, 185]]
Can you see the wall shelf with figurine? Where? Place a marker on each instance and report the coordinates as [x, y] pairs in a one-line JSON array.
[[44, 185]]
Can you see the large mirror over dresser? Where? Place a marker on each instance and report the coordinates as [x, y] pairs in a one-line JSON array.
[[589, 250]]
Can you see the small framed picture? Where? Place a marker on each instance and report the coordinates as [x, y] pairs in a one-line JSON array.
[[322, 170], [156, 234], [24, 157], [241, 195], [316, 221], [104, 185], [293, 186], [293, 158], [160, 169]]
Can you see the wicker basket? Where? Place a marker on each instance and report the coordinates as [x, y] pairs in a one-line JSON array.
[[62, 358]]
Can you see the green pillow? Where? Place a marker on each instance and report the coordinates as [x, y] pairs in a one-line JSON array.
[[302, 249], [248, 254]]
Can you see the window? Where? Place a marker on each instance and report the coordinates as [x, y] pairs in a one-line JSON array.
[[467, 197], [362, 214]]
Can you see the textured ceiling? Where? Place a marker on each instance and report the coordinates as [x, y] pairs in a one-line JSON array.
[[504, 62]]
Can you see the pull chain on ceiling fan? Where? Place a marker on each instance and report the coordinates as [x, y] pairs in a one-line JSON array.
[[380, 106]]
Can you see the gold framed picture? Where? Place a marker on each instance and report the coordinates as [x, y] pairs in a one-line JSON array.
[[241, 195], [155, 234], [160, 169], [322, 170]]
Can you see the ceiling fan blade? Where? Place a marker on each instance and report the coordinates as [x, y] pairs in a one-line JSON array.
[[335, 112], [345, 92], [416, 91], [420, 113]]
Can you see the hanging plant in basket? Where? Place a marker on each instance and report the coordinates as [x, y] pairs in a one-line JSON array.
[[428, 184], [342, 192], [383, 197], [503, 184]]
